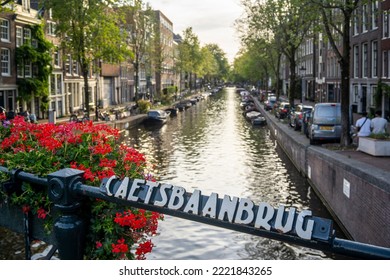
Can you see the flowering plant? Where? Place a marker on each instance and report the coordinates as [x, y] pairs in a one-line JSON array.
[[115, 232]]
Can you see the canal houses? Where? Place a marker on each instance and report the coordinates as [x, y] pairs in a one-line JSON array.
[[109, 83]]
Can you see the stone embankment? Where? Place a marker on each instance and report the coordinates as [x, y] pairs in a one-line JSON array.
[[356, 192]]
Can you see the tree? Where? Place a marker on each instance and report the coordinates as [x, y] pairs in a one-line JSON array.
[[336, 17], [89, 31], [286, 22], [223, 67], [189, 54], [138, 22]]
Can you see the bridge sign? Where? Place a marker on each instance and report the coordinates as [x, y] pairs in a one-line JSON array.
[[231, 211]]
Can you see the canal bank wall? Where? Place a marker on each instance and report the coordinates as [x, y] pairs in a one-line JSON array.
[[356, 193]]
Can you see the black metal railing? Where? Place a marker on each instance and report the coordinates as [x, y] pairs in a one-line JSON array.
[[67, 191]]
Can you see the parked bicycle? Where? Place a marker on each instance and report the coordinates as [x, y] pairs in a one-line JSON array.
[[82, 119]]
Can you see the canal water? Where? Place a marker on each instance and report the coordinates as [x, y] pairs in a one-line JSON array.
[[211, 147]]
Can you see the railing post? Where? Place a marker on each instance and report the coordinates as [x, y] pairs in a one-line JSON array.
[[69, 227]]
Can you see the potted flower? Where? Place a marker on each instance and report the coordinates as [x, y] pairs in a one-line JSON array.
[[115, 232]]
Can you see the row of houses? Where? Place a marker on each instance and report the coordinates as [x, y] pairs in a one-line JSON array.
[[319, 70], [113, 85]]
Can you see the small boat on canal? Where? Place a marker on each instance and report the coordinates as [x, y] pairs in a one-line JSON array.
[[157, 117], [258, 121], [172, 111]]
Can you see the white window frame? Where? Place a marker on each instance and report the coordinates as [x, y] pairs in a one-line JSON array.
[[356, 93], [75, 67], [385, 64], [68, 65], [385, 23], [4, 30], [356, 61], [26, 35], [28, 69], [51, 28], [57, 59], [373, 89], [374, 14], [20, 71], [355, 23], [364, 18], [5, 60], [19, 36], [374, 59], [365, 60]]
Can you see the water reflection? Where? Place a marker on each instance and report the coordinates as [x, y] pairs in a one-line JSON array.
[[212, 147]]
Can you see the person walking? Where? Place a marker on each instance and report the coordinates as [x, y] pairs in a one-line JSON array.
[[378, 124]]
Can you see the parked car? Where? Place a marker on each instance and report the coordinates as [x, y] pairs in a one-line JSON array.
[[269, 104], [296, 115], [282, 110], [325, 123]]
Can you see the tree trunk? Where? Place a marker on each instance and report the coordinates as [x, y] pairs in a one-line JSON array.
[[344, 98], [293, 82], [86, 90]]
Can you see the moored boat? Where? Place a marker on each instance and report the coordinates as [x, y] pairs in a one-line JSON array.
[[157, 117]]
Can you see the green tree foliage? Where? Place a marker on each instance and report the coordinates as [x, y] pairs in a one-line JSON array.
[[218, 65], [284, 22], [138, 21], [40, 57], [190, 55], [89, 31], [337, 16]]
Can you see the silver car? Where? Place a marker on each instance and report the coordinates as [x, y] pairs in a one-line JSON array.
[[325, 124]]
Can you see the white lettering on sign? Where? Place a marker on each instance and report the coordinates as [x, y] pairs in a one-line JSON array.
[[233, 210], [228, 208], [193, 203], [134, 188], [245, 207], [210, 208], [177, 198], [163, 195], [264, 216], [304, 233]]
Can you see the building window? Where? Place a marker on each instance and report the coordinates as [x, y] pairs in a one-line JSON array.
[[385, 24], [5, 62], [26, 36], [51, 28], [374, 59], [355, 23], [75, 68], [356, 61], [374, 14], [27, 69], [57, 59], [385, 64], [19, 36], [365, 61], [4, 30], [364, 18], [20, 71], [373, 92], [56, 84], [68, 69], [356, 93]]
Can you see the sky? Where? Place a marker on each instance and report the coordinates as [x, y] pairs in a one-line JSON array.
[[211, 20]]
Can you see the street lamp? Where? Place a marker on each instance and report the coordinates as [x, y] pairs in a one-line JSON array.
[[302, 71]]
